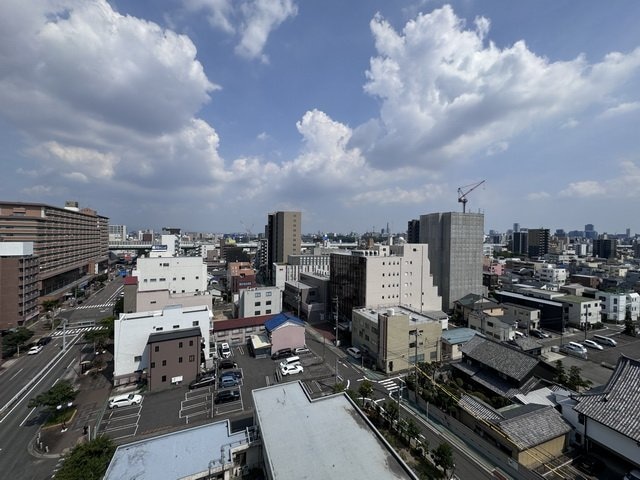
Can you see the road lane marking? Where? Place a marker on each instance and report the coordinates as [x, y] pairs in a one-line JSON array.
[[16, 374]]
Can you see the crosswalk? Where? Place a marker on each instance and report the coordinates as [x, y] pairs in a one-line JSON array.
[[101, 305], [389, 384], [76, 331]]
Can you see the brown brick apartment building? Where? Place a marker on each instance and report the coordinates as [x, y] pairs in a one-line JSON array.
[[19, 290], [174, 357]]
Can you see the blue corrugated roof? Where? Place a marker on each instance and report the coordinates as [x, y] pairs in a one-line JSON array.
[[280, 319], [458, 335]]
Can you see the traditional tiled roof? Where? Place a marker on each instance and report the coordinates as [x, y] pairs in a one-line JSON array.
[[526, 425], [532, 426], [478, 408], [617, 405], [501, 358]]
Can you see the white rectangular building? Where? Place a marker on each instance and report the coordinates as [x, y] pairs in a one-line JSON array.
[[176, 274], [254, 302], [132, 330]]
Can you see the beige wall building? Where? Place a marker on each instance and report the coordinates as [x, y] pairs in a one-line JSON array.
[[396, 337], [284, 237], [72, 244]]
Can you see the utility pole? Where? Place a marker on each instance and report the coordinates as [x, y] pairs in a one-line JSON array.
[[64, 335], [335, 301]]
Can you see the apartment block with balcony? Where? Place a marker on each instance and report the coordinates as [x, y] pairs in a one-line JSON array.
[[72, 244]]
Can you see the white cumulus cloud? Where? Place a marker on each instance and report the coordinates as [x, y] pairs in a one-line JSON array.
[[449, 93]]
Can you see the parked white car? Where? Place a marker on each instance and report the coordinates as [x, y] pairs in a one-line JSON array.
[[592, 344], [125, 400], [291, 369], [225, 350], [354, 352]]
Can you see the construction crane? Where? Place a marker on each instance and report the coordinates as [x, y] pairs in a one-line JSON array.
[[464, 191]]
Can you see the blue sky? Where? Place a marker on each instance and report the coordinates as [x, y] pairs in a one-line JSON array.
[[209, 114]]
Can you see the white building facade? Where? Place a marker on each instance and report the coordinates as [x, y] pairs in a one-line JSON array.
[[132, 330], [255, 302], [176, 274]]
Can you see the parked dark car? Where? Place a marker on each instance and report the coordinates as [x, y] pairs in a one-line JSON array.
[[237, 374], [227, 364], [204, 381], [227, 396], [280, 354]]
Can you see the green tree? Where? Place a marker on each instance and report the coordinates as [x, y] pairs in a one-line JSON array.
[[391, 408], [443, 457], [412, 430], [14, 340], [60, 394], [561, 375], [629, 326], [338, 387], [575, 381], [87, 461], [365, 390]]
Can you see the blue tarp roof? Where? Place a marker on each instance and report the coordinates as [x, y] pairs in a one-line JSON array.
[[280, 319]]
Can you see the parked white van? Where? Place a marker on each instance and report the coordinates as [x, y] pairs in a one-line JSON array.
[[602, 340], [290, 361], [576, 347]]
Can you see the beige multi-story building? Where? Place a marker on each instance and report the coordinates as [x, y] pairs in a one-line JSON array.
[[72, 244], [284, 237], [397, 337], [385, 275], [18, 284]]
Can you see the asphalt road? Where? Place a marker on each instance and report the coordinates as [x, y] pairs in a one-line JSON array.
[[98, 306], [19, 424]]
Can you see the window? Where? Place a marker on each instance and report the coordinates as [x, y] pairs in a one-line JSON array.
[[159, 329], [179, 344], [156, 348], [268, 294], [153, 364], [164, 378], [256, 304], [268, 312], [137, 358], [195, 323], [268, 302], [163, 280], [183, 278], [179, 359], [164, 363], [152, 302], [258, 294], [176, 326], [256, 313], [191, 343], [192, 358]]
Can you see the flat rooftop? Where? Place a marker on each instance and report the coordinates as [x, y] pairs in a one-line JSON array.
[[175, 455], [328, 437], [422, 317]]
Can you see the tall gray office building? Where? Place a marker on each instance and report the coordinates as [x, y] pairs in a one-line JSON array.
[[284, 238], [455, 253]]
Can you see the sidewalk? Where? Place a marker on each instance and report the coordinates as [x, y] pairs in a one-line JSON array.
[[94, 389]]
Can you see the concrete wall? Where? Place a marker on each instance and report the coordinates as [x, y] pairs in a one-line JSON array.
[[176, 274]]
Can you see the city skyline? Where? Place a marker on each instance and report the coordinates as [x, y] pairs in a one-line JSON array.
[[209, 115]]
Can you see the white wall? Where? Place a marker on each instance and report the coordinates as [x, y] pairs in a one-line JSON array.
[[132, 330], [176, 274], [268, 298]]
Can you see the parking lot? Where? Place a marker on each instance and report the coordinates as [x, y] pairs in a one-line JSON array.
[[178, 406], [598, 365], [120, 423]]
